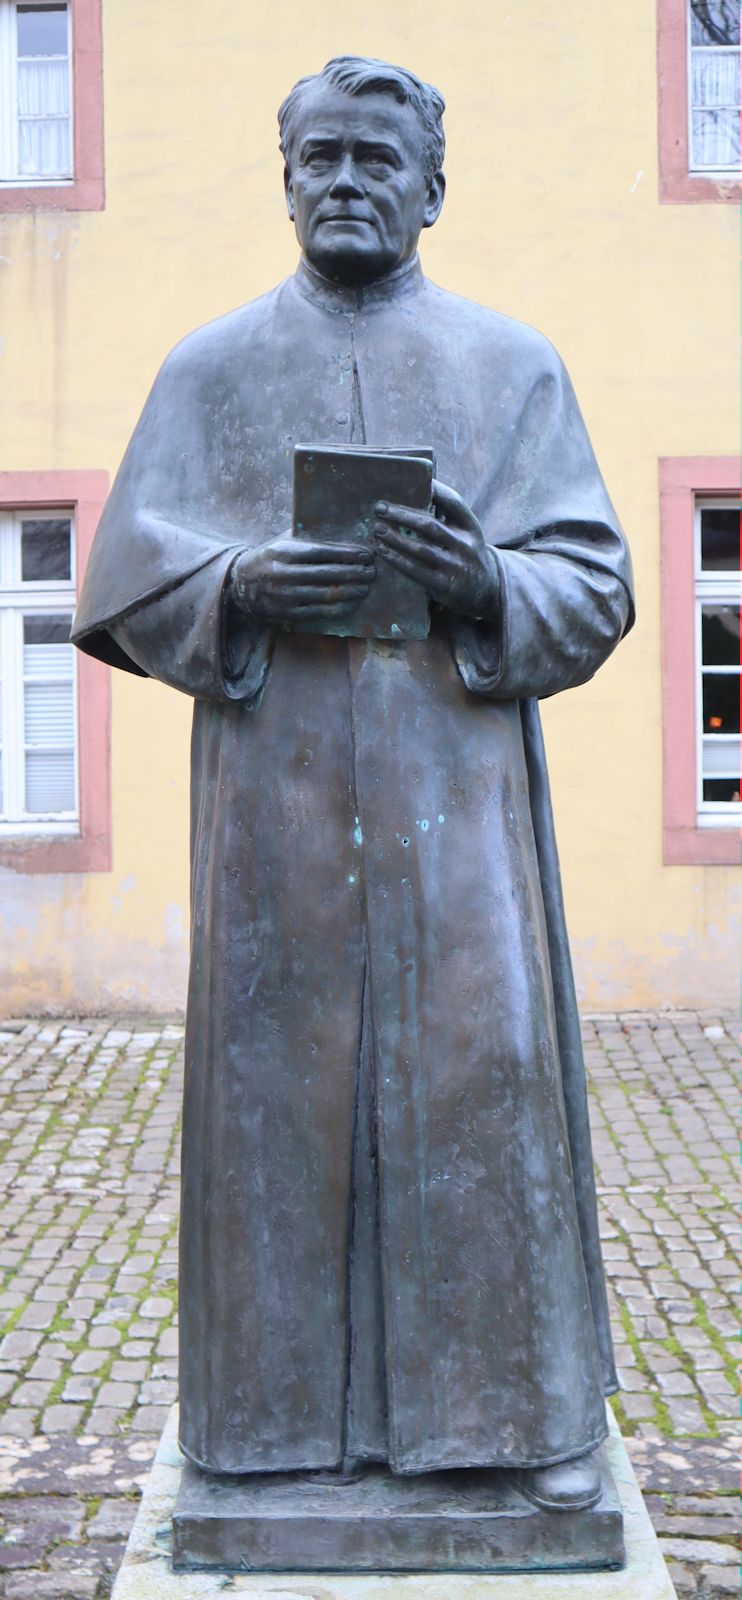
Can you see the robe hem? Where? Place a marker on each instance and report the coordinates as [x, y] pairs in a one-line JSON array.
[[509, 1463], [241, 1472], [514, 1464]]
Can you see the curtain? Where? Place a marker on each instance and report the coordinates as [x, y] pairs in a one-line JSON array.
[[44, 146], [715, 116]]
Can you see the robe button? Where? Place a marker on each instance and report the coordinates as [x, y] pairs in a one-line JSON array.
[[343, 418]]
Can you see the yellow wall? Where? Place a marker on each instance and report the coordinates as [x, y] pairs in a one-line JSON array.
[[552, 215]]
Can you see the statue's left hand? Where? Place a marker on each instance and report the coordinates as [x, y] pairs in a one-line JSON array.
[[444, 550]]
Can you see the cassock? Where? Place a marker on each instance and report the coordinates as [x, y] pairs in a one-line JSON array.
[[389, 1241]]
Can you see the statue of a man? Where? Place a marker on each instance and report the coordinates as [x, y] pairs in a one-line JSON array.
[[389, 1244]]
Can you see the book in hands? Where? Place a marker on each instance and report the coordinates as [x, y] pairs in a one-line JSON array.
[[336, 489]]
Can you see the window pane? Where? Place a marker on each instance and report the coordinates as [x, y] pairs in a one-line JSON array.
[[47, 628], [720, 629], [45, 549], [43, 89], [714, 21], [45, 654], [42, 30], [715, 139], [724, 789], [48, 715], [720, 540], [44, 148], [50, 781], [721, 691], [715, 78], [720, 756]]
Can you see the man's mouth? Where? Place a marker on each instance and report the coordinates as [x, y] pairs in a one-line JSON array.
[[343, 218]]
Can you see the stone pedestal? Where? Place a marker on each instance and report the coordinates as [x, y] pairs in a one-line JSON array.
[[147, 1572], [466, 1521]]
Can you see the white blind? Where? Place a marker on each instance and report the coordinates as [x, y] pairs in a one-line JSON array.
[[50, 781], [38, 709], [49, 727], [49, 715]]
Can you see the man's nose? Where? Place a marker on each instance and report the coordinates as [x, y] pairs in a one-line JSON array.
[[346, 180]]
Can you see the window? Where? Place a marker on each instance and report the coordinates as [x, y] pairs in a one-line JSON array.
[[714, 82], [701, 511], [698, 70], [54, 703], [717, 642], [38, 736], [51, 105], [36, 130]]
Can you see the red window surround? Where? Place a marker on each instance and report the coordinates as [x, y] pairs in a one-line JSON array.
[[86, 192], [677, 185], [682, 480], [90, 849]]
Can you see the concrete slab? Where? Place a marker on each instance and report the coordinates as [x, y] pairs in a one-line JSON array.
[[147, 1573]]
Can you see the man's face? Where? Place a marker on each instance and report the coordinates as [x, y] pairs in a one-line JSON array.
[[356, 190]]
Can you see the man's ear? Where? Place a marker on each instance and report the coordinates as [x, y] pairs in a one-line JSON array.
[[289, 192], [434, 200]]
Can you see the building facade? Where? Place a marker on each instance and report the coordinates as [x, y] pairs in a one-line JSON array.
[[593, 173]]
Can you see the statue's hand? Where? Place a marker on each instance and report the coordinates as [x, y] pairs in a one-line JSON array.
[[297, 580], [443, 550]]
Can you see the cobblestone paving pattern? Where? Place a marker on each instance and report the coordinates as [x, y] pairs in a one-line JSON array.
[[89, 1169]]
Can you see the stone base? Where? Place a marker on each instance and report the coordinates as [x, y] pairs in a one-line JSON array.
[[465, 1521], [147, 1572]]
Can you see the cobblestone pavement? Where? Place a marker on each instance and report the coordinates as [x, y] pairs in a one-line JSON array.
[[88, 1163]]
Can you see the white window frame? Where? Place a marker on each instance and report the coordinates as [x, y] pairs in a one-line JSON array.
[[695, 168], [10, 177], [713, 588], [19, 599]]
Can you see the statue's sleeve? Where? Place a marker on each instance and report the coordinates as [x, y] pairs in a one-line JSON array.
[[565, 585], [154, 600], [193, 639]]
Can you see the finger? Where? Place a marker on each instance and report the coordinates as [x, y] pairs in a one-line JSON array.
[[451, 505], [431, 577], [348, 595], [429, 553], [331, 609], [317, 552], [408, 517], [286, 574]]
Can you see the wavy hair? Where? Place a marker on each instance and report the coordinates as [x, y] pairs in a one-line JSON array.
[[356, 75]]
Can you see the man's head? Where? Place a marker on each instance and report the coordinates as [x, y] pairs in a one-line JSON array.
[[363, 145]]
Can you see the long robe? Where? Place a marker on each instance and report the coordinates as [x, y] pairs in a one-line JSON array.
[[374, 879]]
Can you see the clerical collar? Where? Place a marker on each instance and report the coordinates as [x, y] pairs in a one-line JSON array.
[[404, 281]]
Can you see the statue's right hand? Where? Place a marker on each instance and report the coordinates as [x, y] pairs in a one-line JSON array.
[[297, 580]]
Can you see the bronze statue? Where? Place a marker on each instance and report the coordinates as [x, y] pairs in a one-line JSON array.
[[389, 1241]]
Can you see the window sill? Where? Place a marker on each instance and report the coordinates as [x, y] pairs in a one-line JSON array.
[[76, 194], [24, 182], [26, 829], [702, 847], [55, 853], [691, 188]]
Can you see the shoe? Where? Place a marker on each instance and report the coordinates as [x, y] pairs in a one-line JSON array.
[[568, 1486]]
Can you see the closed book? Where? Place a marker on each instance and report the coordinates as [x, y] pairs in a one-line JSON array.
[[336, 490]]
